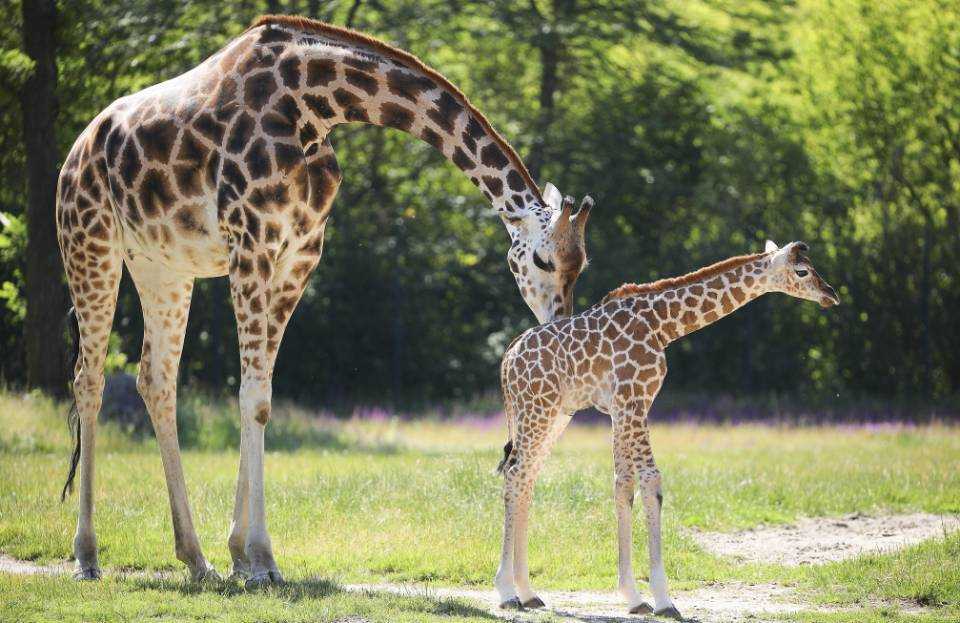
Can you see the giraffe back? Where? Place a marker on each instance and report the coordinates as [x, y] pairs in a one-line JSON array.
[[607, 356]]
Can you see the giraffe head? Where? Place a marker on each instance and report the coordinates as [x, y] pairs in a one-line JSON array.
[[791, 272], [548, 253]]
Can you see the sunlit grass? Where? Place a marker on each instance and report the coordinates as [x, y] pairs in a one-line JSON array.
[[387, 500]]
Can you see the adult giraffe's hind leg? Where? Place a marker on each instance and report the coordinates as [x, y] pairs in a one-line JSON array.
[[95, 299], [91, 257], [165, 299]]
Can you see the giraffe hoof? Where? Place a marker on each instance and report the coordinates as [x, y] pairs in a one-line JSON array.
[[86, 574], [534, 602], [512, 604], [239, 574], [263, 579], [670, 612], [207, 576], [642, 608]]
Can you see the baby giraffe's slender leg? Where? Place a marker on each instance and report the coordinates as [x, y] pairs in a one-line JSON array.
[[624, 465], [521, 569], [633, 460], [504, 580], [531, 447], [652, 503]]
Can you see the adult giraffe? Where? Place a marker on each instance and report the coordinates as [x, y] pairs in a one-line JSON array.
[[227, 170]]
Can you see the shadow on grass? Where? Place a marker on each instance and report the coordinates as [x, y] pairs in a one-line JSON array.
[[318, 588], [608, 618]]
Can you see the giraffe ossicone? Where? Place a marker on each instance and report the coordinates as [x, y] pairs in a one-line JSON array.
[[612, 357], [228, 170]]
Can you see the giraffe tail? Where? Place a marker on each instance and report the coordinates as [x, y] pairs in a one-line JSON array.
[[73, 416], [508, 458], [507, 451]]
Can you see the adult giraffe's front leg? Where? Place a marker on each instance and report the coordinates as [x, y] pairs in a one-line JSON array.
[[267, 279], [264, 299]]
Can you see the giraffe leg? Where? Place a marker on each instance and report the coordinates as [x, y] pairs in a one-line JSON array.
[[624, 483], [521, 567], [165, 300], [652, 503], [532, 445], [263, 302], [504, 581], [237, 541], [91, 256], [263, 309], [95, 308]]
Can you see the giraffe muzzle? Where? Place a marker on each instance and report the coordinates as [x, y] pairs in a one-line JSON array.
[[829, 298]]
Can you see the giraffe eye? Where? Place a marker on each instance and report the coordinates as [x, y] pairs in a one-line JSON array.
[[546, 266], [802, 273]]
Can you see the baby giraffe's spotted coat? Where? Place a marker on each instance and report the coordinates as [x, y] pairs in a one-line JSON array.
[[612, 357]]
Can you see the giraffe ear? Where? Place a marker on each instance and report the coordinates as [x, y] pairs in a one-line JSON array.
[[552, 196], [771, 246]]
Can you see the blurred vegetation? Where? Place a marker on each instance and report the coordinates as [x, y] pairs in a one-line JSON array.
[[701, 127]]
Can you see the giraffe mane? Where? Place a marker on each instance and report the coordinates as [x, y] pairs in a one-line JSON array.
[[634, 289], [408, 60]]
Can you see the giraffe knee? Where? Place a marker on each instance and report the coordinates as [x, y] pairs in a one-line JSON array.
[[624, 486], [255, 400], [262, 414], [651, 477], [88, 381], [88, 391], [145, 381], [651, 482]]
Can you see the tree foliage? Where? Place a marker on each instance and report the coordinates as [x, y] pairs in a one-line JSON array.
[[701, 127]]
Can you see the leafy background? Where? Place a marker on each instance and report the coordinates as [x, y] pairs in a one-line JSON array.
[[702, 127]]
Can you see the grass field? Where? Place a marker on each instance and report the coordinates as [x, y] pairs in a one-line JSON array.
[[384, 501]]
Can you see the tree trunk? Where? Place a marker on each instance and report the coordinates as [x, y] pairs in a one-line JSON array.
[[273, 7], [45, 294], [548, 87], [550, 46], [926, 383]]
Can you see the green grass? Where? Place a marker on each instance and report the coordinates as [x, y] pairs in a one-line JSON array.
[[128, 599], [418, 502]]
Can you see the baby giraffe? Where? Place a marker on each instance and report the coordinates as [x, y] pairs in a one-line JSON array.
[[611, 357]]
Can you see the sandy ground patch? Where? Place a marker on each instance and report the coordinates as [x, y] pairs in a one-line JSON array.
[[820, 540], [719, 603], [28, 567]]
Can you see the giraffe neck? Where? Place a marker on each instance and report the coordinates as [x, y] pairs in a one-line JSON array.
[[342, 77], [689, 306]]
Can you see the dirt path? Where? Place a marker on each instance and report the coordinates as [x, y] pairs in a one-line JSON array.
[[826, 539], [27, 567], [720, 603], [809, 541]]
